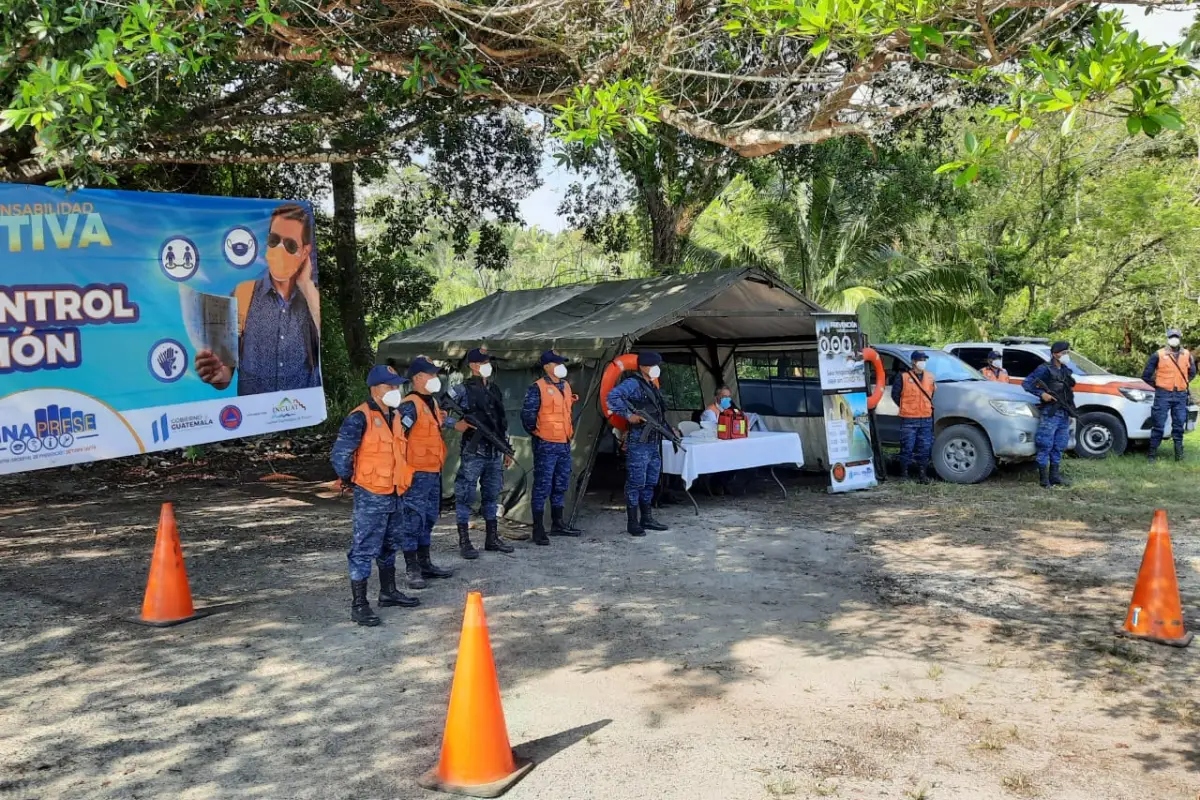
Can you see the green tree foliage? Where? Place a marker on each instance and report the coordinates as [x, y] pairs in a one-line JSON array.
[[839, 236], [92, 81]]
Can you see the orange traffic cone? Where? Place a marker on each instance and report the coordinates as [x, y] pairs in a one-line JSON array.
[[1155, 613], [168, 599], [477, 759]]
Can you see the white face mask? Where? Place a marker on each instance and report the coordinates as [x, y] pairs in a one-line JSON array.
[[433, 385], [485, 370], [655, 371], [560, 371], [1173, 341], [919, 365], [1064, 359], [393, 398], [996, 363]]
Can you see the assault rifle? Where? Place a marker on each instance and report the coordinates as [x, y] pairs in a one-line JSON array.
[[652, 421], [482, 428], [1070, 409]]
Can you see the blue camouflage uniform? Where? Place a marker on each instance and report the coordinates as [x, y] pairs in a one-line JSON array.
[[1167, 403], [551, 460], [377, 517], [479, 461], [1054, 428], [643, 446], [422, 503]]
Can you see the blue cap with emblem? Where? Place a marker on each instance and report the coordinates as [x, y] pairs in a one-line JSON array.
[[382, 373], [478, 356], [648, 358], [421, 364], [920, 355], [1174, 332], [551, 357]]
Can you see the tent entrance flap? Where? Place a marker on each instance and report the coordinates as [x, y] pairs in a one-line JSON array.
[[705, 313]]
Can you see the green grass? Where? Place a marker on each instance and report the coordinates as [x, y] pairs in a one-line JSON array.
[[1124, 490]]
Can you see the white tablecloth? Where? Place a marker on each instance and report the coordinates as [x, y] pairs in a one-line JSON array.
[[706, 456]]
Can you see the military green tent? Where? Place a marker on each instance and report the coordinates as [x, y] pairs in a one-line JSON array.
[[709, 327]]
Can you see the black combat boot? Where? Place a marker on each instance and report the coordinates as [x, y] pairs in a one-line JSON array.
[[1152, 456], [923, 474], [539, 529], [558, 527], [1179, 451], [904, 472], [428, 568], [492, 541], [1056, 478], [1044, 472], [464, 542], [412, 571], [649, 522], [635, 527], [360, 609], [389, 595]]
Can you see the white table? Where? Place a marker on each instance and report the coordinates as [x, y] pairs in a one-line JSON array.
[[708, 456]]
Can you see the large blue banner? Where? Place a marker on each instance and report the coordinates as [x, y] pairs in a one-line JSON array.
[[133, 322]]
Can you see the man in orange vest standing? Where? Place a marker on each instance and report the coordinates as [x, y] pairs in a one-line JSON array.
[[370, 455], [1169, 371], [995, 371], [546, 416], [423, 420], [913, 392]]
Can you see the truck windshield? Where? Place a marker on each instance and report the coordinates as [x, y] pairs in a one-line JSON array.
[[950, 369], [1082, 366]]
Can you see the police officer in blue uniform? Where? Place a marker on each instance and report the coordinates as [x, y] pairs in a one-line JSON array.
[[480, 464], [423, 421], [1054, 385], [377, 518], [643, 446], [547, 416]]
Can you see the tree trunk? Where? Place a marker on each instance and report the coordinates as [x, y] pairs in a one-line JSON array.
[[663, 238], [349, 288]]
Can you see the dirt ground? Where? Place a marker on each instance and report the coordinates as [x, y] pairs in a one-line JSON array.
[[909, 642]]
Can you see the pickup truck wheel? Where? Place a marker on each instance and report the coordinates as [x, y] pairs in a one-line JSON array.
[[963, 454], [1098, 434]]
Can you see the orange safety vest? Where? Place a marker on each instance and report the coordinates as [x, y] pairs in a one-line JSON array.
[[914, 404], [1169, 378], [554, 414], [993, 374], [381, 460], [426, 448]]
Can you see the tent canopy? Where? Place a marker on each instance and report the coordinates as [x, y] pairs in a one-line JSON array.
[[699, 320], [742, 306]]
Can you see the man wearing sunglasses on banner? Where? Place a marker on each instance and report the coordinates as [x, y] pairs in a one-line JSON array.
[[279, 316]]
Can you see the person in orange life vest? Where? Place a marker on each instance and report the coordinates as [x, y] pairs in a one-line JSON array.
[[423, 420], [913, 392], [370, 455], [1170, 371], [720, 482], [279, 316], [546, 416], [994, 371]]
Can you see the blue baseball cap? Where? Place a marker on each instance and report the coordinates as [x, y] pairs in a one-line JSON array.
[[995, 354], [1174, 332], [920, 355], [1060, 347], [421, 364], [381, 374], [551, 357], [478, 356], [649, 358]]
